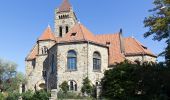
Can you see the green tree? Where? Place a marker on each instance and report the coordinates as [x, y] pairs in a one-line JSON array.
[[158, 22], [136, 82], [10, 79], [87, 87], [64, 87]]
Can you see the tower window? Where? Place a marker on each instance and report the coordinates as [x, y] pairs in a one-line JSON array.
[[44, 50], [61, 31], [67, 29]]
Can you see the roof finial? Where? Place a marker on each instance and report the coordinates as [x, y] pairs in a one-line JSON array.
[[48, 25], [120, 31], [79, 22], [132, 35]]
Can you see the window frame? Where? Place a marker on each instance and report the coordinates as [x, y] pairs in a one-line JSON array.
[[71, 60], [97, 61]]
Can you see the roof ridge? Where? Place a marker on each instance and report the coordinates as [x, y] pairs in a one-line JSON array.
[[106, 34], [82, 31], [30, 52]]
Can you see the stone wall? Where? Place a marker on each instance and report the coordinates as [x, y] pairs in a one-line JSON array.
[[70, 21], [34, 73], [142, 58], [84, 64]]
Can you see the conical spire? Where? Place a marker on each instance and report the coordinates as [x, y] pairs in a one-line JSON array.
[[65, 6], [47, 35]]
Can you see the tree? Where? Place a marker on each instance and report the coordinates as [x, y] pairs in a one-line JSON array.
[[136, 82], [10, 79], [87, 87], [158, 21], [158, 24], [64, 87]]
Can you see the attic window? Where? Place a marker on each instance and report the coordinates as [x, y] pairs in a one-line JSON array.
[[107, 43], [144, 47], [73, 34]]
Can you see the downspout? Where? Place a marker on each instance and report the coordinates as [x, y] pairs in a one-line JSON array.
[[142, 58], [87, 58]]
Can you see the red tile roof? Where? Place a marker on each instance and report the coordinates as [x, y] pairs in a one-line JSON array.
[[33, 53], [65, 6], [115, 55], [47, 35], [78, 33], [133, 47]]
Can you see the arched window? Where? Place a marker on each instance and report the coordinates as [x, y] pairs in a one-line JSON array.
[[96, 61], [67, 29], [52, 64], [72, 85], [44, 50], [72, 60], [60, 31]]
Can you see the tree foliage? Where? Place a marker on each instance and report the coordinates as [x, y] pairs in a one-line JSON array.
[[10, 79], [87, 87], [136, 82], [64, 87], [158, 21]]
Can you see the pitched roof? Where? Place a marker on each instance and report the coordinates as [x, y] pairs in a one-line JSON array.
[[33, 53], [65, 6], [115, 55], [47, 35], [78, 33], [133, 47]]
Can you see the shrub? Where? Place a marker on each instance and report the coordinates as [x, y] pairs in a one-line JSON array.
[[64, 87], [1, 96], [13, 96], [41, 95], [87, 88], [27, 95]]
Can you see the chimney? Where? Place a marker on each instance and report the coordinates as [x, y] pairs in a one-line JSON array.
[[122, 48]]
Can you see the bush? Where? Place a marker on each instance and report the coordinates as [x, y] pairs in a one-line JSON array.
[[87, 88], [71, 95], [27, 95], [41, 95], [136, 82], [64, 87], [1, 96], [13, 96]]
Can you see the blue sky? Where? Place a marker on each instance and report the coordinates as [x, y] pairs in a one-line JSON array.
[[23, 21]]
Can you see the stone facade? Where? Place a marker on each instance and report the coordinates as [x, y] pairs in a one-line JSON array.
[[84, 64], [142, 58], [34, 68]]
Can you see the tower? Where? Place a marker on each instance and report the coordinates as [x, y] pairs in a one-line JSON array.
[[65, 19]]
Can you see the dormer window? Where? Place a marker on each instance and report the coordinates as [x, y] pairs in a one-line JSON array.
[[107, 43], [144, 47], [73, 34]]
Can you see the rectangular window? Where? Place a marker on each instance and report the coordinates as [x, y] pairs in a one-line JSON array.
[[72, 63]]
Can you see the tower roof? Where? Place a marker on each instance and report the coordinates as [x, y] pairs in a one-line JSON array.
[[47, 35], [65, 6]]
